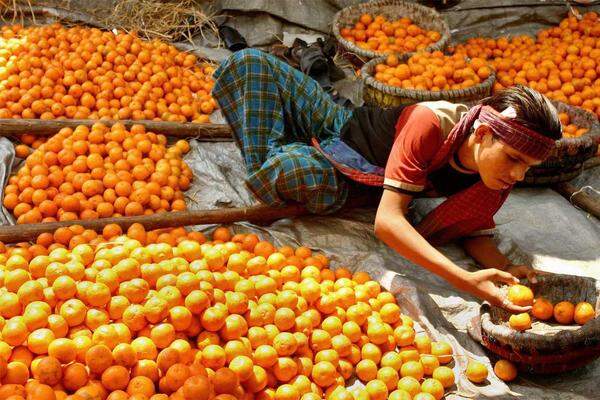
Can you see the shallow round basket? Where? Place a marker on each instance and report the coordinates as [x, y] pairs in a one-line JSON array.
[[425, 17], [379, 94], [546, 348], [566, 162]]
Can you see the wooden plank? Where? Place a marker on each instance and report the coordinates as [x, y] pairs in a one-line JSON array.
[[257, 214], [207, 132], [578, 198]]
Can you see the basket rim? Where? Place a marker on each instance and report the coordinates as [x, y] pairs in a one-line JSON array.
[[370, 80], [542, 363], [575, 336], [593, 133], [351, 47], [566, 161]]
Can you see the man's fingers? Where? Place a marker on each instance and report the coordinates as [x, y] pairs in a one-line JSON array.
[[532, 276], [500, 300], [505, 277], [515, 308]]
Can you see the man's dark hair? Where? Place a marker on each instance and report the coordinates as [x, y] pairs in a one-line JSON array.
[[533, 109]]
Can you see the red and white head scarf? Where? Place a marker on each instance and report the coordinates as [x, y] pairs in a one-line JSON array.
[[518, 136]]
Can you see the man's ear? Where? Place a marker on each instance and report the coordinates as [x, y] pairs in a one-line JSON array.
[[481, 131]]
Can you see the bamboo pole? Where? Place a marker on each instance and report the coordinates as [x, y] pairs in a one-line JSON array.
[[578, 198], [38, 127], [257, 214]]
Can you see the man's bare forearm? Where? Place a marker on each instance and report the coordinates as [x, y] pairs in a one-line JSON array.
[[395, 231], [484, 250]]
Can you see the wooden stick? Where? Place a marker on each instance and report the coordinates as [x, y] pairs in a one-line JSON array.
[[209, 132], [578, 198], [591, 163], [262, 214]]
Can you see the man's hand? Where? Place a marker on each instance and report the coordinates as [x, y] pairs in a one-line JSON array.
[[482, 284], [524, 271]]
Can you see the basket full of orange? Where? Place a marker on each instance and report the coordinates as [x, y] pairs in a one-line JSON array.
[[559, 333], [391, 81], [581, 137], [376, 28]]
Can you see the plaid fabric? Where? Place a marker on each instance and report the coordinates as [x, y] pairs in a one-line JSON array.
[[462, 214], [274, 111]]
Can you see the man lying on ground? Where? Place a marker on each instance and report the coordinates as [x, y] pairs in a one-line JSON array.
[[299, 146]]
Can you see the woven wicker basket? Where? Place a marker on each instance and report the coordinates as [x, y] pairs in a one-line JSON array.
[[379, 94], [425, 17], [566, 162], [546, 348]]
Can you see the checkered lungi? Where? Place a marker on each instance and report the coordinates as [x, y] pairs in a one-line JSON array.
[[274, 111]]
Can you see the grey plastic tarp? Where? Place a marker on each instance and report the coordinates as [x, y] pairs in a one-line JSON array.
[[535, 225]]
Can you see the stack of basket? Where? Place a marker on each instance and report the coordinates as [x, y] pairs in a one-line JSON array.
[[383, 95]]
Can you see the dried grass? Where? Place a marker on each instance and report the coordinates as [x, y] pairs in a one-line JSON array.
[[171, 20], [32, 12], [15, 11]]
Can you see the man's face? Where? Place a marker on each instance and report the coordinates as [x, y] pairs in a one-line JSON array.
[[500, 165]]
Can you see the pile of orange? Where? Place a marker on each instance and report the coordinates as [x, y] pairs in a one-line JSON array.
[[97, 172], [432, 71], [378, 34], [570, 130], [564, 312], [562, 62], [52, 72], [169, 315]]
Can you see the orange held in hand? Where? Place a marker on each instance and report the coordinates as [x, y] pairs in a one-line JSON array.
[[520, 295]]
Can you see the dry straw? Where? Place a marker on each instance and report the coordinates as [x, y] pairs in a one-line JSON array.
[[15, 11], [171, 20], [168, 20]]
